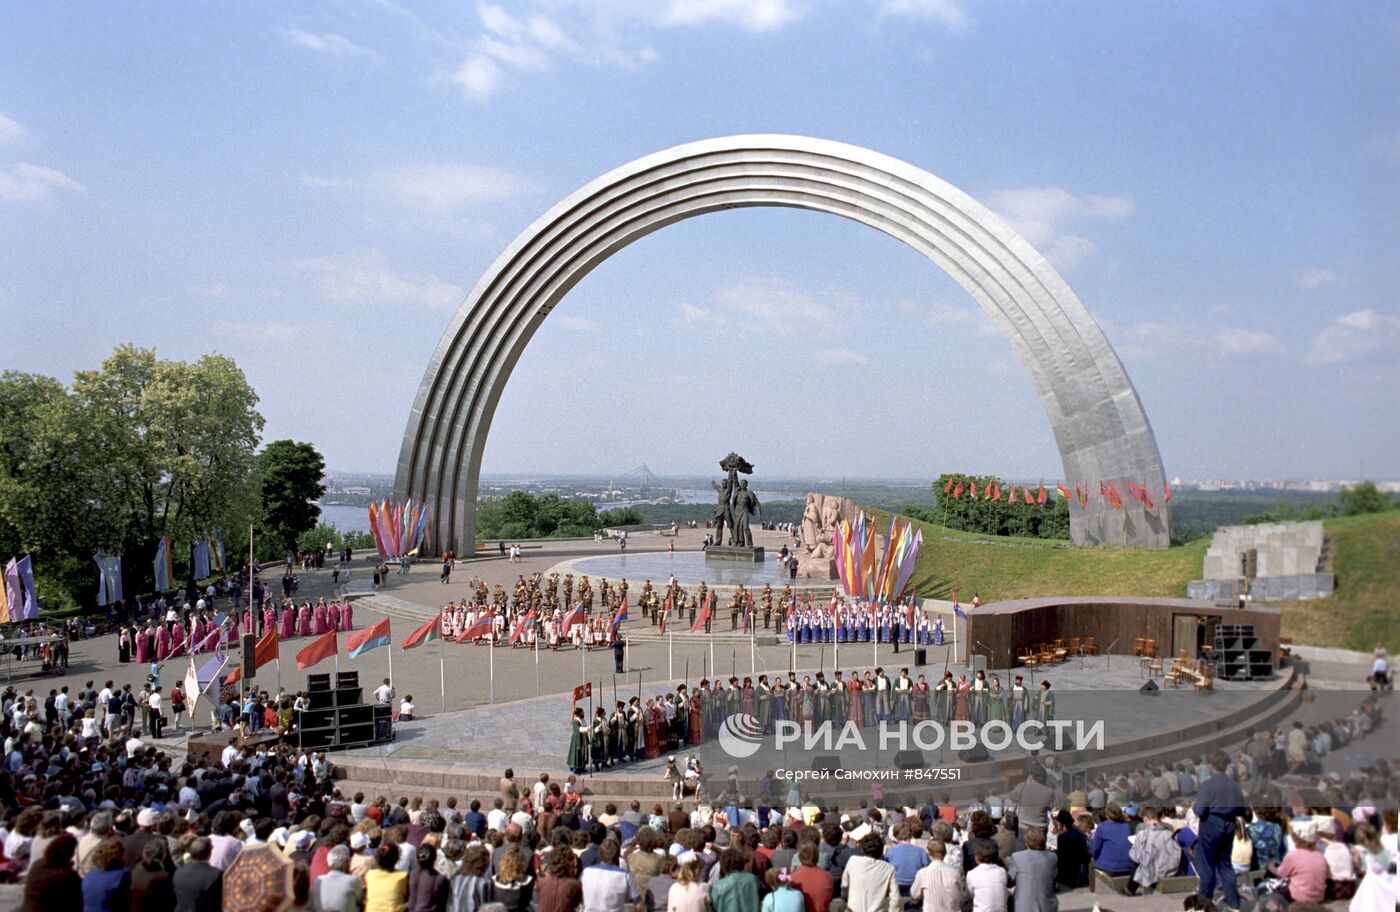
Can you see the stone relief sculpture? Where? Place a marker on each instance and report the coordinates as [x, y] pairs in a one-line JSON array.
[[817, 557]]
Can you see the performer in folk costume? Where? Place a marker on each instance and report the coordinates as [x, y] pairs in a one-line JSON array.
[[943, 693], [636, 729], [746, 698], [836, 700], [695, 719], [617, 726], [288, 621], [777, 703], [883, 695], [962, 711], [763, 711], [578, 740], [921, 700], [996, 701], [598, 740], [653, 729], [979, 697], [867, 693], [1046, 707], [937, 631], [1020, 700], [347, 616], [304, 620]]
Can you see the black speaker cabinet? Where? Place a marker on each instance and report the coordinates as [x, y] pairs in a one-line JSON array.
[[318, 682], [320, 699], [920, 656], [909, 759], [317, 718], [383, 724], [1150, 689], [347, 679], [827, 762]]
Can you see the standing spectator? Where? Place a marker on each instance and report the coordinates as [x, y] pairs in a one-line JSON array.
[[510, 795], [386, 887], [906, 858], [338, 890], [1071, 852], [737, 889], [938, 886], [608, 888], [869, 881], [152, 889], [427, 889], [471, 888], [107, 887], [815, 883], [51, 885], [1218, 803], [987, 881], [198, 884], [561, 890], [1032, 872]]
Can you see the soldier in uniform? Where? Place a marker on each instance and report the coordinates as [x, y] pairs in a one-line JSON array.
[[734, 607], [768, 605], [568, 590], [704, 592]]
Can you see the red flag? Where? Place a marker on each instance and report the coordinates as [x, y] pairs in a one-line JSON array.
[[318, 650], [1011, 498], [972, 488], [987, 490], [1166, 492], [996, 491], [1064, 491], [571, 620], [479, 629], [1027, 491], [1041, 497], [1139, 493], [705, 611], [582, 691], [948, 487], [362, 640], [264, 652], [957, 492], [1112, 494]]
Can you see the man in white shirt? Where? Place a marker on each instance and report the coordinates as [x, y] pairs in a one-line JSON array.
[[384, 694], [987, 882], [496, 817], [157, 719], [869, 881], [229, 755]]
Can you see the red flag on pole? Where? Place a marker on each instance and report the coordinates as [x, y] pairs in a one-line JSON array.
[[521, 626], [1027, 492], [1166, 492], [996, 491], [705, 611], [972, 488], [948, 487], [318, 650], [1041, 497], [1064, 491], [429, 631], [583, 691], [957, 492], [264, 652]]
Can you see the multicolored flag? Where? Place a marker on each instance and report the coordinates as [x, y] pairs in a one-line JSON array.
[[429, 631], [705, 611], [479, 628], [265, 651], [362, 641], [572, 619], [522, 626], [619, 617], [1064, 491], [28, 593]]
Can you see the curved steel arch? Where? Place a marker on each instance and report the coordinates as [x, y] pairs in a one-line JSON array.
[[1099, 424]]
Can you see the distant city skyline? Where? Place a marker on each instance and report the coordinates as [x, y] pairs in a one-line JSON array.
[[314, 189]]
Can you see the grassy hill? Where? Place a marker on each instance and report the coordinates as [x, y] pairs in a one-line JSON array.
[[1365, 555]]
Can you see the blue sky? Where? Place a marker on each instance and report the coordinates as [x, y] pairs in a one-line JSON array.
[[313, 188]]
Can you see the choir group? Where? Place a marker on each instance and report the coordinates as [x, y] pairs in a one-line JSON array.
[[198, 628]]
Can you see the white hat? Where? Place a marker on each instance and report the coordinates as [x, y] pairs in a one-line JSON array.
[[246, 826], [279, 836], [301, 839], [147, 818], [860, 832], [359, 841], [1305, 829]]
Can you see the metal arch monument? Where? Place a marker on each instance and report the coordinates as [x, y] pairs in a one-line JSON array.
[[1098, 421]]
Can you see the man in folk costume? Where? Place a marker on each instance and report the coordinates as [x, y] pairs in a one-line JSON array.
[[904, 691], [762, 693], [943, 697], [837, 700]]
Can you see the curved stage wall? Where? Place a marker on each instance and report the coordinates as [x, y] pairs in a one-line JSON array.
[[1001, 631]]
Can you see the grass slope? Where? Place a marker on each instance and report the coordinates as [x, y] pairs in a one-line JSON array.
[[1365, 555], [998, 567]]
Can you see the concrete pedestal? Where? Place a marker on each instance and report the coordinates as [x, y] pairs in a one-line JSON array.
[[723, 553]]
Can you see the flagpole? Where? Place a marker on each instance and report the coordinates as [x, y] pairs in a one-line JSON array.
[[492, 672], [670, 664], [391, 661], [442, 670]]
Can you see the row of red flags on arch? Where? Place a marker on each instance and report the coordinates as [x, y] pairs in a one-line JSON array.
[[992, 490]]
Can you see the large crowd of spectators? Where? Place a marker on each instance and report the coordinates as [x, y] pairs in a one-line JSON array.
[[99, 817]]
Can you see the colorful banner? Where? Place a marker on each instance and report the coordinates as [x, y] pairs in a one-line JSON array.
[[199, 558], [163, 572], [398, 528], [109, 578], [30, 610]]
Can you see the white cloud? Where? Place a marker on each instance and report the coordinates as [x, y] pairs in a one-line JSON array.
[[1247, 343], [948, 12], [1356, 335], [25, 183], [1316, 277], [775, 305], [271, 331], [692, 315], [1050, 217], [840, 356], [11, 132], [576, 324], [365, 277], [328, 43], [1154, 339], [445, 188], [749, 15]]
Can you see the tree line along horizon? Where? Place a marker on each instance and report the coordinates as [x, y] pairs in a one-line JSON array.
[[144, 448]]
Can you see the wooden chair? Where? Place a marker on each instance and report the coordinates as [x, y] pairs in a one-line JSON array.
[[1154, 667], [1173, 675], [1139, 644], [1150, 647], [1090, 646], [1030, 661], [1206, 681]]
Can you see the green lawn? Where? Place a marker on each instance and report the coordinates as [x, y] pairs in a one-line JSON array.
[[1365, 555]]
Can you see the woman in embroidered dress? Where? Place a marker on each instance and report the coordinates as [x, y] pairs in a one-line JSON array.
[[921, 695]]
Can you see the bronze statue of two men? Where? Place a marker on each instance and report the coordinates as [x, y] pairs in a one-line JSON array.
[[737, 504]]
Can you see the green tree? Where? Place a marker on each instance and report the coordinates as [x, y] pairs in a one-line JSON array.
[[177, 442], [289, 476], [1365, 498]]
